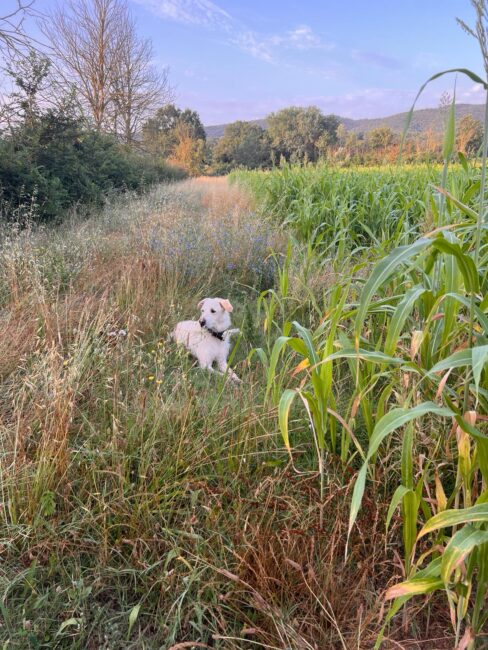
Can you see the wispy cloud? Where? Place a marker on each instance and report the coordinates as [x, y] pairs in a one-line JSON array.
[[196, 12], [473, 94], [377, 59], [300, 38], [254, 45], [267, 47]]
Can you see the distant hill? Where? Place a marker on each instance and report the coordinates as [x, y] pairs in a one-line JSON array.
[[423, 120], [217, 131]]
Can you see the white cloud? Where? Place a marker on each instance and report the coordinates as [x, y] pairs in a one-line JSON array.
[[473, 94], [261, 46], [300, 38], [196, 12], [303, 38], [266, 47], [260, 49]]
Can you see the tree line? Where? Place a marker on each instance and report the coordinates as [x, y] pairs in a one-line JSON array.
[[304, 135], [295, 135], [88, 111]]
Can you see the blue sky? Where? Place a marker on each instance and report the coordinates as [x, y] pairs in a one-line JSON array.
[[232, 59]]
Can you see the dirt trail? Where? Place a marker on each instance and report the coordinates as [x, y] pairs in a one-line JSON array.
[[218, 194]]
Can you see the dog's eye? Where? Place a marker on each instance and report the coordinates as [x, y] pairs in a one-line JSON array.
[[213, 311]]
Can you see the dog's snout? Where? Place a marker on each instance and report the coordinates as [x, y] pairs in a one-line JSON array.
[[202, 322]]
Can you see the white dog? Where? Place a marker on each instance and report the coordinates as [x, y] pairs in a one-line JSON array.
[[208, 338]]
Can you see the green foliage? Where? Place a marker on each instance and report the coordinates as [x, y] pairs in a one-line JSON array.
[[381, 138], [161, 133], [243, 144], [30, 75], [139, 486], [58, 163], [376, 142], [50, 158], [354, 207], [301, 134], [397, 361]]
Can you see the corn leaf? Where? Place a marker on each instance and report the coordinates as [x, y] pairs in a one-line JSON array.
[[478, 512], [396, 499], [462, 543], [273, 361], [283, 414], [401, 314], [414, 587], [450, 134], [388, 423], [380, 274]]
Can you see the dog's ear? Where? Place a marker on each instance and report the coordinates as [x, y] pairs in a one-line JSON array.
[[226, 305], [200, 304]]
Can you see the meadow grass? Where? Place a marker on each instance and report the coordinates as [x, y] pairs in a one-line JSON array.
[[146, 504]]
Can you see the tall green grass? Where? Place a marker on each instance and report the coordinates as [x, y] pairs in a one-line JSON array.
[[149, 505]]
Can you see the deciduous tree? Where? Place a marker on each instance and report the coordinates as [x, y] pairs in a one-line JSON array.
[[469, 135], [86, 37], [243, 143], [188, 152], [137, 86], [13, 38], [99, 51], [161, 133], [295, 132], [381, 138]]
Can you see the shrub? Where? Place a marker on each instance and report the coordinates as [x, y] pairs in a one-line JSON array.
[[58, 162]]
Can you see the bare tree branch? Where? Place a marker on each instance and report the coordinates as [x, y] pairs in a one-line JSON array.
[[84, 36], [12, 35], [138, 87], [98, 50]]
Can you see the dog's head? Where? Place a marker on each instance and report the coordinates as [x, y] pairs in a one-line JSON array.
[[215, 314]]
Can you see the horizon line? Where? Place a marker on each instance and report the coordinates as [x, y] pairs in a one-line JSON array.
[[341, 117]]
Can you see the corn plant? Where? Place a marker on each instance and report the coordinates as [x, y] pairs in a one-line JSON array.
[[462, 569], [398, 360]]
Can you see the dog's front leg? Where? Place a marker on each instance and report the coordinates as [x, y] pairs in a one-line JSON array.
[[224, 368], [209, 367], [229, 333]]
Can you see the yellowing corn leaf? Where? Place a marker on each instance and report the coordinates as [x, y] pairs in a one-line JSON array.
[[478, 512], [440, 495], [305, 363], [414, 587]]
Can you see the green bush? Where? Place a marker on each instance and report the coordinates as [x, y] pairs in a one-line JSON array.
[[56, 162]]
